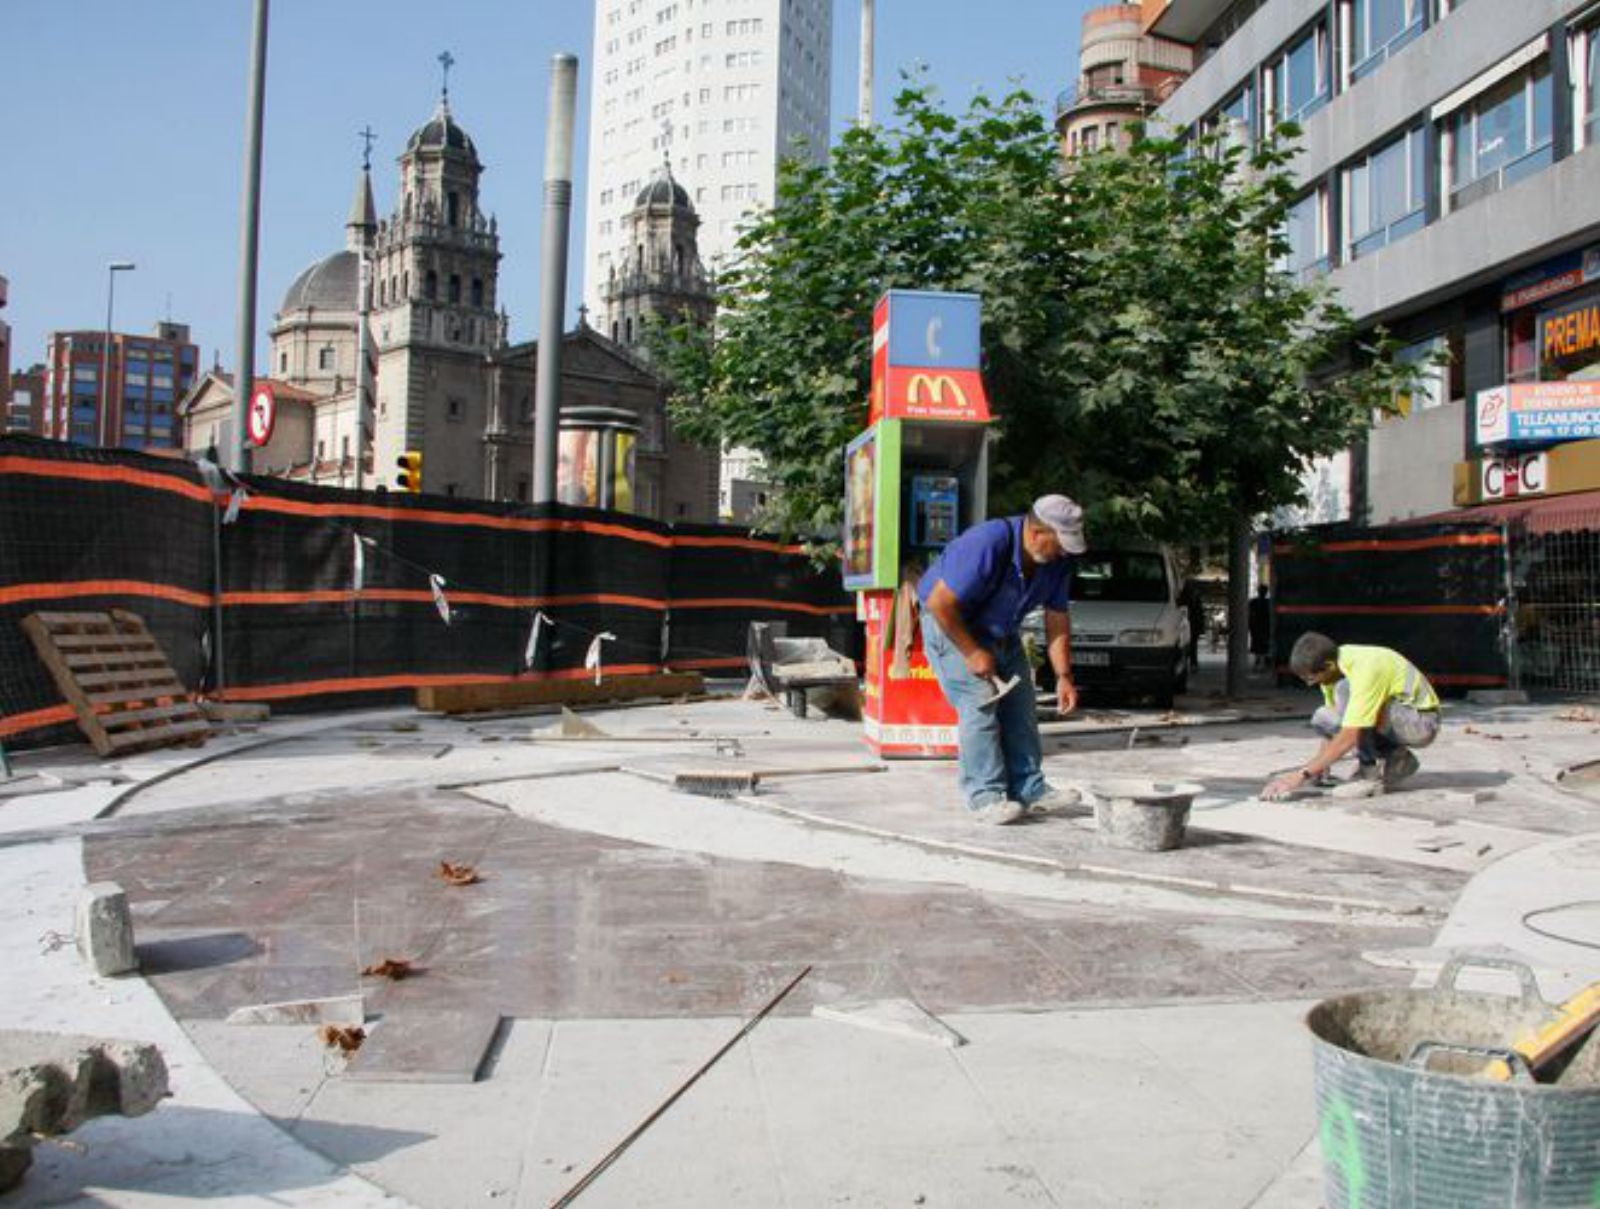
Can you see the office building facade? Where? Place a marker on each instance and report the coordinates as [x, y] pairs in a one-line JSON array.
[[1449, 190], [148, 376], [720, 91]]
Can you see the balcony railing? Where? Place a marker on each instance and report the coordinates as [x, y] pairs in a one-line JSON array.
[[1140, 95]]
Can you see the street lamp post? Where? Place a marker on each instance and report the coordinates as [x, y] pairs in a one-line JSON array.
[[112, 269]]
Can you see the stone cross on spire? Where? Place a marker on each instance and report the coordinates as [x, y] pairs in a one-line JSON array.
[[446, 61], [366, 135]]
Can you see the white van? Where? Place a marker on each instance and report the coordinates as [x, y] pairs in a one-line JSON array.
[[1130, 636]]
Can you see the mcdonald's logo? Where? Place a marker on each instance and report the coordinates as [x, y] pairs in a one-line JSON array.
[[935, 386]]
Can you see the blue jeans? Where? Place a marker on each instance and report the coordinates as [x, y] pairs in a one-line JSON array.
[[1000, 752]]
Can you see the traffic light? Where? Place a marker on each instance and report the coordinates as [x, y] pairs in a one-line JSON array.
[[410, 476]]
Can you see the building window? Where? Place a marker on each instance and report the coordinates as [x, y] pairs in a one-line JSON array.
[[1440, 375], [452, 204], [344, 449], [477, 291], [283, 362], [1091, 139], [1568, 340], [1384, 195], [455, 287], [1236, 119], [455, 409], [1500, 136], [1306, 231], [325, 358], [1378, 28], [1586, 79], [430, 286], [1300, 77]]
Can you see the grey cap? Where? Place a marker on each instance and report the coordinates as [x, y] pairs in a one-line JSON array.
[[1065, 518]]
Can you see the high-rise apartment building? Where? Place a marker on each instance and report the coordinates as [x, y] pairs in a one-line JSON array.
[[5, 356], [25, 410], [720, 90], [148, 376]]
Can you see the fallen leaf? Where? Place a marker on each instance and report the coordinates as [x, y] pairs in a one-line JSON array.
[[392, 968], [459, 875], [346, 1039]]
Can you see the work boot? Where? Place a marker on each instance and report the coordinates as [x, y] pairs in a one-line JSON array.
[[999, 813], [1399, 766], [1053, 799]]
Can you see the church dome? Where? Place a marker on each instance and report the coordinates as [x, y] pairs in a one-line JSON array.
[[441, 133], [328, 285], [663, 190]]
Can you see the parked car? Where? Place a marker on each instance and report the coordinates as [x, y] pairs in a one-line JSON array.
[[1130, 636]]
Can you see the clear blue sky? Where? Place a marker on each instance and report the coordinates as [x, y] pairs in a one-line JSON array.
[[126, 120]]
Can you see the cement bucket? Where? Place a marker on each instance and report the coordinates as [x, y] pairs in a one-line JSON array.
[[1406, 1120], [1149, 816]]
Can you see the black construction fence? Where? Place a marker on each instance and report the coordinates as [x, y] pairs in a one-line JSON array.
[[266, 573], [1512, 601]]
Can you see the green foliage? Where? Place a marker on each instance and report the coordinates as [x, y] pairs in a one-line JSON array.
[[1143, 351]]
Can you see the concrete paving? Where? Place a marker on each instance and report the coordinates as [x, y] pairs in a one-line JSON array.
[[1133, 1021]]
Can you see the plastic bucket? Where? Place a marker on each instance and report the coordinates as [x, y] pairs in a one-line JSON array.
[[1405, 1121], [1149, 816]]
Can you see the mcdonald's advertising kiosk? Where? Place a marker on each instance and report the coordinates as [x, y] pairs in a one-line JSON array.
[[915, 478]]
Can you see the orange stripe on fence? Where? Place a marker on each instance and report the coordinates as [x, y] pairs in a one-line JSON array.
[[455, 596], [736, 543], [1399, 545], [15, 724], [22, 593], [469, 520], [376, 684], [1493, 610], [85, 472], [723, 661], [750, 602]]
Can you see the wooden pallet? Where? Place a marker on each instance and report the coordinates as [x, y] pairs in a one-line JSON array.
[[112, 671]]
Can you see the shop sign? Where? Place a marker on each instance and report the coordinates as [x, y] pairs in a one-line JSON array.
[[1538, 413], [1569, 338], [1509, 478], [1555, 276]]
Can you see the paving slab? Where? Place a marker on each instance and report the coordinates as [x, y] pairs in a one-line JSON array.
[[447, 1046]]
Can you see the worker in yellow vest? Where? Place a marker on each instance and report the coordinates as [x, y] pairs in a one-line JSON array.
[[1375, 704]]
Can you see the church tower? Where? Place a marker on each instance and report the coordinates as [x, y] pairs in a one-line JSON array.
[[435, 269], [656, 273]]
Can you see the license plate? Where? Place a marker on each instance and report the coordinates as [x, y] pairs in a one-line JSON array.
[[1092, 658]]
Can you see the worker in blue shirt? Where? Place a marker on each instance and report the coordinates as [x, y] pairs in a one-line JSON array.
[[974, 598]]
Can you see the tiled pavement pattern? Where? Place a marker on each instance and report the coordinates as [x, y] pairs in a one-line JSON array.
[[284, 902]]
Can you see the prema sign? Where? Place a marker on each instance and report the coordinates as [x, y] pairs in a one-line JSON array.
[[1538, 413], [1511, 477]]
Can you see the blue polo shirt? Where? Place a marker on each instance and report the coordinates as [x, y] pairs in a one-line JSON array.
[[983, 567]]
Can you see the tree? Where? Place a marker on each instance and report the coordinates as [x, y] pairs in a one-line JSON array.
[[1145, 348], [928, 203]]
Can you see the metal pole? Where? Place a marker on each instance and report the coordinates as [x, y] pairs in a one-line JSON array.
[[112, 269], [235, 456], [864, 104], [363, 380], [553, 291]]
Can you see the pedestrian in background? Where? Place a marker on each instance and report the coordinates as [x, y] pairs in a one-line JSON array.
[[1261, 628], [974, 598]]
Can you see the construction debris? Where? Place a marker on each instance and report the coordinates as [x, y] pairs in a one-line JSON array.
[[395, 969], [1578, 713], [346, 1039], [729, 783], [459, 875], [103, 928], [51, 1083]]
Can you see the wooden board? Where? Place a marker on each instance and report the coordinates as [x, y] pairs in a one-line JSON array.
[[117, 679], [479, 698]]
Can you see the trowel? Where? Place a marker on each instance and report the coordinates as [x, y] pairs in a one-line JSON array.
[[998, 689]]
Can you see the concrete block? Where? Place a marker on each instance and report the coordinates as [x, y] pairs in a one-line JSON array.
[[1497, 696], [342, 1009], [234, 711], [104, 929], [51, 1083]]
